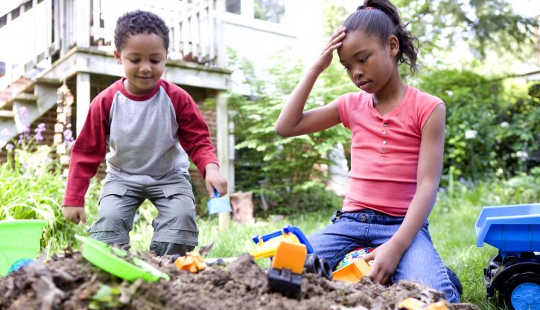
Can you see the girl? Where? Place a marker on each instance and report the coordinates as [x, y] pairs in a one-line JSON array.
[[396, 150]]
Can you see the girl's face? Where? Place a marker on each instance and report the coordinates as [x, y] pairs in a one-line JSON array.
[[143, 57], [369, 62]]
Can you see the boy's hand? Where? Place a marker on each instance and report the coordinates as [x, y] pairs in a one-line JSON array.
[[326, 56], [74, 214], [386, 258], [214, 179]]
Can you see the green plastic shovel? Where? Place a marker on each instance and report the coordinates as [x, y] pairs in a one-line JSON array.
[[113, 260]]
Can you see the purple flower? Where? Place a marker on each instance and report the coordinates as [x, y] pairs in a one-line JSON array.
[[68, 135], [21, 139], [39, 129], [25, 135], [9, 147]]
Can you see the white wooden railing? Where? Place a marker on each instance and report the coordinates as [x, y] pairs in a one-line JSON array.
[[35, 32], [26, 37], [194, 26]]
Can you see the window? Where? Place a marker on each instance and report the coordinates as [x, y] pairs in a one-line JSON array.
[[270, 10], [233, 6]]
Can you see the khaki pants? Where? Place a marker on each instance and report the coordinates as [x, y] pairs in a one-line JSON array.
[[174, 200]]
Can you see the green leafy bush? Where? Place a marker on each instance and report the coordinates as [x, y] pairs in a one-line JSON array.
[[488, 131], [470, 113]]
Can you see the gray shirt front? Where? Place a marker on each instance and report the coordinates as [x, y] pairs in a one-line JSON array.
[[143, 138]]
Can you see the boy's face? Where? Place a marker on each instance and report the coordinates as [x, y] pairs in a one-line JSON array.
[[143, 57], [368, 61]]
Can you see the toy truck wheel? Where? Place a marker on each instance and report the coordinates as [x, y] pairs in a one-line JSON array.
[[521, 291]]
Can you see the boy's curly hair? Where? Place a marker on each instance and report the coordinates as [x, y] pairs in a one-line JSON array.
[[137, 22]]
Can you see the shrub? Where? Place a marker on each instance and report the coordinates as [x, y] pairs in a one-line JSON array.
[[488, 131]]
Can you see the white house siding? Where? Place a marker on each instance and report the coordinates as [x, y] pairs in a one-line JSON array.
[[300, 33]]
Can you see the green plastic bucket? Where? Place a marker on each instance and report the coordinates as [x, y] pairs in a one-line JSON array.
[[113, 260], [19, 239]]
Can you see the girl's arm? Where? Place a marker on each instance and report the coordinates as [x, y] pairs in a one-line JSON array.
[[292, 120], [430, 161]]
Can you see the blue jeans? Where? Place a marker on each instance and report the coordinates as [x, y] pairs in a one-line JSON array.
[[368, 228]]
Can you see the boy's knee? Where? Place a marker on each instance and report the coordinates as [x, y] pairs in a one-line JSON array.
[[111, 229], [170, 248]]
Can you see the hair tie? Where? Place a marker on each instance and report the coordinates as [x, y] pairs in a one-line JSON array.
[[363, 7]]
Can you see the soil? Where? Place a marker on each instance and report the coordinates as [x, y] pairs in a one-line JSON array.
[[68, 281]]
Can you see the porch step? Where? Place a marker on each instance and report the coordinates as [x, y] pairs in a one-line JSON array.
[[13, 89], [24, 97], [24, 108], [6, 114], [49, 82]]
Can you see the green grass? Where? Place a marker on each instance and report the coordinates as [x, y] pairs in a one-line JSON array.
[[35, 190]]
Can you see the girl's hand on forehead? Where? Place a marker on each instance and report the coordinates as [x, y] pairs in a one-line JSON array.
[[326, 56]]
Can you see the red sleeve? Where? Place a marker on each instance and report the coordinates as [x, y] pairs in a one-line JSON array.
[[193, 132], [342, 109], [89, 150], [426, 106], [344, 102]]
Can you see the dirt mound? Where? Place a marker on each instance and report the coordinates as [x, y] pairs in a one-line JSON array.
[[68, 281]]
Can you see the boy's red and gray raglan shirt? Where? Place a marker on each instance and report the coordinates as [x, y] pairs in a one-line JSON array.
[[149, 138]]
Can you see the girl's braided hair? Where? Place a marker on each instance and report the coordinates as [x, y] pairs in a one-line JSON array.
[[381, 18]]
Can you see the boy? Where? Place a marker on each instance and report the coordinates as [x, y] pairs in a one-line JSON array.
[[149, 125]]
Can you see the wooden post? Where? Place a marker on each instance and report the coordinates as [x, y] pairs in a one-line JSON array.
[[82, 23], [83, 99], [57, 25], [222, 128], [221, 53], [247, 8], [222, 119]]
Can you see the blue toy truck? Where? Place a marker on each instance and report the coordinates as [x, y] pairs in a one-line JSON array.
[[513, 274]]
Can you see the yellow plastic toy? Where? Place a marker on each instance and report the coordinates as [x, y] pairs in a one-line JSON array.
[[266, 245], [285, 276], [353, 272], [290, 256], [192, 262]]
